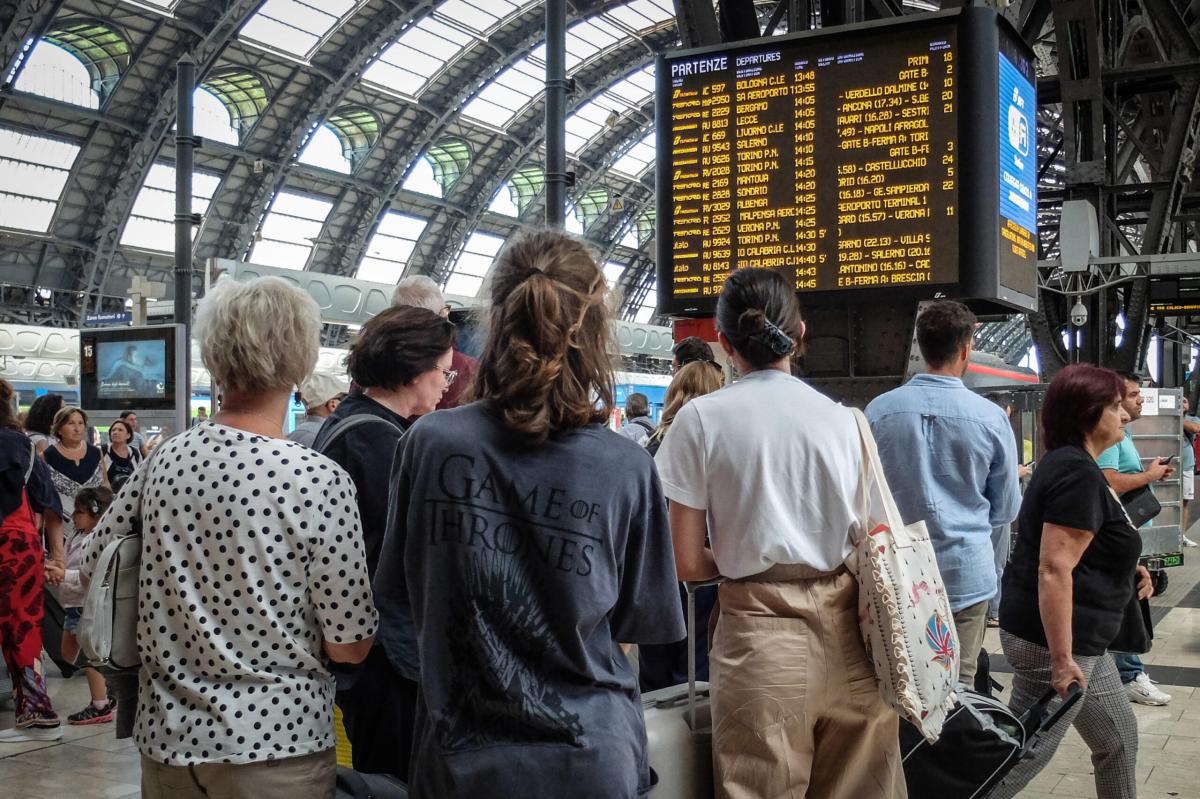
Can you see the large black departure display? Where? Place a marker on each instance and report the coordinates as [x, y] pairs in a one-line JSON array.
[[857, 160]]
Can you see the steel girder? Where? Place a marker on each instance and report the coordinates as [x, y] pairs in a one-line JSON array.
[[20, 21], [308, 111], [142, 150], [346, 250], [524, 137]]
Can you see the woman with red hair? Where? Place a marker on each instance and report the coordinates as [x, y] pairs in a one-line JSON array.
[[1074, 583]]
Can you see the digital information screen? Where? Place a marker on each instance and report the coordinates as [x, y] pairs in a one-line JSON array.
[[836, 157], [131, 369]]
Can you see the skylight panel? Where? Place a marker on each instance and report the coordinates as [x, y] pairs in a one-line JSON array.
[[476, 258], [641, 15], [50, 71], [503, 203], [648, 309], [638, 158], [391, 247], [589, 37], [151, 224], [211, 117], [289, 230], [510, 91], [612, 274], [481, 16], [33, 172], [295, 26], [409, 63], [324, 149]]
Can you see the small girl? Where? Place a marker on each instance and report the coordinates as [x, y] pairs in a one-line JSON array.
[[90, 504]]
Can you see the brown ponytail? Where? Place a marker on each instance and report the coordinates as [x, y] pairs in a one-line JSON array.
[[760, 316], [547, 364]]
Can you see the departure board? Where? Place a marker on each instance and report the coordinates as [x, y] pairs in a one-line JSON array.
[[836, 158]]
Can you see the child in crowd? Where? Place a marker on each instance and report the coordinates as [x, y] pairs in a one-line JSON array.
[[90, 504]]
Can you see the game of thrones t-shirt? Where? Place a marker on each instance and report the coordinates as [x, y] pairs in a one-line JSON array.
[[526, 568]]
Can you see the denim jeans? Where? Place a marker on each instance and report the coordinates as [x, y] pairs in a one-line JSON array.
[[1001, 544], [1129, 665]]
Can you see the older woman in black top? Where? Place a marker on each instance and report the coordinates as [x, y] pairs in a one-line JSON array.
[[1073, 579]]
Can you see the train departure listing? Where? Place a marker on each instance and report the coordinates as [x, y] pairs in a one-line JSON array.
[[835, 164]]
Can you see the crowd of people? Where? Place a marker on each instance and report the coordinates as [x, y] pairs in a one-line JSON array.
[[460, 554]]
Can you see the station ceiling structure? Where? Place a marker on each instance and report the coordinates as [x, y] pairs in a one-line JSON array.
[[379, 138]]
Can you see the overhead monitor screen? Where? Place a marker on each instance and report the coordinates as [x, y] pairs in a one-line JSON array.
[[1018, 169], [837, 158], [131, 369]]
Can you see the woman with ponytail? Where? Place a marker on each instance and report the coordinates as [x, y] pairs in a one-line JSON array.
[[527, 542], [780, 493]]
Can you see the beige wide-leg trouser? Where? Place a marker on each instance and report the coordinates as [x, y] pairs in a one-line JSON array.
[[796, 709]]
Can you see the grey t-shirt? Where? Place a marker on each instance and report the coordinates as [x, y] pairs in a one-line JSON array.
[[526, 567]]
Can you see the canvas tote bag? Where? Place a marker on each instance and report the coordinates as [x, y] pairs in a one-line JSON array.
[[903, 611]]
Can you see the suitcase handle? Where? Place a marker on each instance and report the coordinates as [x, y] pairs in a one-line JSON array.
[[1037, 721], [692, 588]]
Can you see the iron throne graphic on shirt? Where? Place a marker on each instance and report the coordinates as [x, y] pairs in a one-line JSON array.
[[497, 636]]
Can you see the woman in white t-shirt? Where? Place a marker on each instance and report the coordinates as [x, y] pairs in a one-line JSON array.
[[771, 470]]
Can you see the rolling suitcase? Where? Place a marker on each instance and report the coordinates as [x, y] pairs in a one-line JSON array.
[[679, 728], [980, 743]]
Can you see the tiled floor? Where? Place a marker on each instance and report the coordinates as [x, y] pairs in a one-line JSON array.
[[90, 763]]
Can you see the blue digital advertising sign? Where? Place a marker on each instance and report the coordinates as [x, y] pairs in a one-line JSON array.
[[1017, 133]]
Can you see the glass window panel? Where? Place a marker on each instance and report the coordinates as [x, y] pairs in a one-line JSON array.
[[379, 270], [390, 247], [612, 273], [421, 179], [637, 158], [463, 285], [211, 118], [33, 172], [280, 254], [324, 149], [402, 225], [25, 213], [50, 71], [503, 203], [301, 205], [288, 230], [151, 224], [394, 78], [278, 35], [648, 308]]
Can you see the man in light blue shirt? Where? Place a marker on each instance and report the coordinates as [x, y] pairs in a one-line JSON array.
[[951, 459], [1122, 467]]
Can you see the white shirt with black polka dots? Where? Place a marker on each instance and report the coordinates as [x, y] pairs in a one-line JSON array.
[[252, 557]]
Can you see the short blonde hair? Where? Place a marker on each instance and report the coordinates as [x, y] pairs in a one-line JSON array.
[[258, 335]]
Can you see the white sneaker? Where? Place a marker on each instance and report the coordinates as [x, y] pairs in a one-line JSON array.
[[1187, 542], [1142, 691], [19, 734]]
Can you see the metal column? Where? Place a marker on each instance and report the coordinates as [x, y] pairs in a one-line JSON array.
[[556, 112], [185, 144]]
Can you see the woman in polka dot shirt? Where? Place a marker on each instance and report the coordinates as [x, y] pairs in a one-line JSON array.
[[253, 572]]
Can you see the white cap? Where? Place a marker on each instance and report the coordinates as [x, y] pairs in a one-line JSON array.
[[319, 388]]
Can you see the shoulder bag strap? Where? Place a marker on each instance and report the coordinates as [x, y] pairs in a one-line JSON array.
[[323, 440], [873, 467], [29, 468]]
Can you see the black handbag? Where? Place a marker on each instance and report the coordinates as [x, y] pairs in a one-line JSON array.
[[1141, 505]]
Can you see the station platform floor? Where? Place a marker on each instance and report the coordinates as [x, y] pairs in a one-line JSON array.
[[89, 763]]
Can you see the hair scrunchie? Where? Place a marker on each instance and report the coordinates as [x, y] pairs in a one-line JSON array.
[[775, 339]]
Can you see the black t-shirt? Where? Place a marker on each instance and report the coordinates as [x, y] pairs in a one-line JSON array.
[[1068, 489], [366, 453], [120, 468]]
